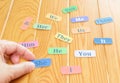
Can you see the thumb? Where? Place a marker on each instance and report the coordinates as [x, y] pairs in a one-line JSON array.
[[21, 69]]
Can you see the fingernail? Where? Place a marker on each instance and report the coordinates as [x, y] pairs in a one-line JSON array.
[[31, 66]]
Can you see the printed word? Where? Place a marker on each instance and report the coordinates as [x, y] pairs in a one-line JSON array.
[[29, 44], [42, 26], [57, 50], [42, 62], [26, 23], [63, 37], [80, 19], [53, 17], [85, 53], [71, 70], [70, 9], [80, 30], [104, 20], [103, 40]]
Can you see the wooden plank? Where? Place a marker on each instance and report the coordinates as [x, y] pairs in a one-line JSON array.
[[93, 69], [114, 5], [46, 40], [4, 7], [21, 10], [109, 8]]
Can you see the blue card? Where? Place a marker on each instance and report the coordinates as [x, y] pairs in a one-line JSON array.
[[80, 19], [42, 62], [103, 40], [104, 20]]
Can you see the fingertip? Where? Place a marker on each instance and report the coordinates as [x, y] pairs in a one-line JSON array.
[[28, 55], [21, 69], [31, 66], [33, 56]]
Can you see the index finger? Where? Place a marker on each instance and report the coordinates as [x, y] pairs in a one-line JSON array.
[[12, 48]]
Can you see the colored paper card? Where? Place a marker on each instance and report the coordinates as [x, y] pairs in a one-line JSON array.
[[85, 53], [53, 17], [80, 30], [63, 37], [42, 26], [80, 19], [60, 50], [69, 9], [29, 44], [71, 70], [103, 40], [42, 62], [26, 23], [104, 20]]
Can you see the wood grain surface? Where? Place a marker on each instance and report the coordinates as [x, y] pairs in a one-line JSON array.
[[104, 68]]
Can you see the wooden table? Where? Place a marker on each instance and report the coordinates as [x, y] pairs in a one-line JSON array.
[[104, 68]]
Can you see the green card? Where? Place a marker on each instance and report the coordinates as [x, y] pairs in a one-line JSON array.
[[42, 26], [70, 9], [56, 50]]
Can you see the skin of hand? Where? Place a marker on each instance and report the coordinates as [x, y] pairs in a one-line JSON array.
[[12, 51]]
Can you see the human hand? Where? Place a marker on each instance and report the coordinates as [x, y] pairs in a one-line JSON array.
[[13, 51]]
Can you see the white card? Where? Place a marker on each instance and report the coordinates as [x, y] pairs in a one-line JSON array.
[[85, 53]]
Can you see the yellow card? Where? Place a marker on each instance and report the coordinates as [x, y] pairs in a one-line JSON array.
[[53, 17], [63, 37]]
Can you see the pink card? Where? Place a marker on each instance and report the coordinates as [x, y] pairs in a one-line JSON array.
[[26, 23], [71, 70], [29, 44]]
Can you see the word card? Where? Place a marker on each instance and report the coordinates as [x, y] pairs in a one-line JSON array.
[[42, 62], [79, 19], [42, 26], [69, 9], [53, 17], [63, 37], [103, 40], [104, 20], [80, 30], [29, 44], [85, 53], [55, 50], [71, 70], [26, 23]]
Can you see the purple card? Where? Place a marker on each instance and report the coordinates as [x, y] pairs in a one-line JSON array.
[[80, 19]]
